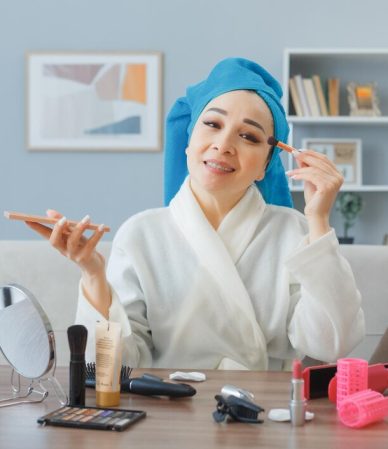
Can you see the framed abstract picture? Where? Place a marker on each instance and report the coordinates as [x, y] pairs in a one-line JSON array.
[[94, 101]]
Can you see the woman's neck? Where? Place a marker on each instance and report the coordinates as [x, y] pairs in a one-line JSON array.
[[215, 205]]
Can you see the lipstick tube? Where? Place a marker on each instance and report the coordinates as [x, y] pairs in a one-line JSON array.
[[298, 402]]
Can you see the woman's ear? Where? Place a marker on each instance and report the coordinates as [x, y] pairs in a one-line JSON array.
[[261, 176]]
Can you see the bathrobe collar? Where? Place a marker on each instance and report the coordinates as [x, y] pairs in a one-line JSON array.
[[219, 251]]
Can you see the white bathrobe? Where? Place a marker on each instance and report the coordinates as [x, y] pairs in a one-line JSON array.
[[254, 290]]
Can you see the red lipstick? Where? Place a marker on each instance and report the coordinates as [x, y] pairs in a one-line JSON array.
[[298, 401]]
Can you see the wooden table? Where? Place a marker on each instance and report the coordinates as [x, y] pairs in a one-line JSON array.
[[187, 422]]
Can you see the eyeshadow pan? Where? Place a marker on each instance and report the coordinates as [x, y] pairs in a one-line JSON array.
[[86, 418]]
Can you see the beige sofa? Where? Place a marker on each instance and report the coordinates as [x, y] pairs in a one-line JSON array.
[[54, 282]]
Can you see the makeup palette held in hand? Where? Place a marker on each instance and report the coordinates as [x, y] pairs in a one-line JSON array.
[[92, 418]]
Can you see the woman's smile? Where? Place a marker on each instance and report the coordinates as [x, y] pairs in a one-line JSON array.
[[218, 167]]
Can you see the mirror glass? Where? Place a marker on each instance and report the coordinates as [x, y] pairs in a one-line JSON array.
[[26, 337]]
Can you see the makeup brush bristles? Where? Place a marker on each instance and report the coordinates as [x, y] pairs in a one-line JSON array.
[[272, 141], [77, 336], [276, 143]]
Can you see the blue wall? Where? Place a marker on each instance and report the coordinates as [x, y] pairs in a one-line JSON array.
[[192, 36]]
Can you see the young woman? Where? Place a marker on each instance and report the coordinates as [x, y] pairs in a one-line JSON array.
[[225, 276]]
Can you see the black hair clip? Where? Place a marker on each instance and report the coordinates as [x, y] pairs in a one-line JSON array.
[[236, 408]]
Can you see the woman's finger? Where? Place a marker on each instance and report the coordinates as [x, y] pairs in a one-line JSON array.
[[91, 244], [323, 165], [53, 213], [322, 181], [44, 231], [76, 239], [298, 173], [314, 159], [315, 171], [58, 237]]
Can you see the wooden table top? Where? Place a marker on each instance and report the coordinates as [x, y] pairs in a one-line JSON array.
[[187, 422]]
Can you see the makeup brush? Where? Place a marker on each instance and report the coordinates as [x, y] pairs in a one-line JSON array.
[[277, 143], [77, 336]]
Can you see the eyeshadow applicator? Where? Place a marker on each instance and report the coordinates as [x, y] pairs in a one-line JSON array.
[[277, 143], [77, 336]]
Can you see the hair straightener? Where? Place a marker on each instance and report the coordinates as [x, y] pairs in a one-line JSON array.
[[147, 385]]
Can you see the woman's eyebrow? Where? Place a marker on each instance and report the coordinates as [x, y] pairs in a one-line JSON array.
[[253, 123], [245, 120], [219, 110]]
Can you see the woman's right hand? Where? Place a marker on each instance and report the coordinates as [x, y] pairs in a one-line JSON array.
[[82, 250], [72, 243]]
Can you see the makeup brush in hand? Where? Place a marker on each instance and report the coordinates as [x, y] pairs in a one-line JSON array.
[[77, 336], [276, 143]]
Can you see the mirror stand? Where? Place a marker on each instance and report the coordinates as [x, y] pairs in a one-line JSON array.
[[35, 392], [19, 397], [28, 344]]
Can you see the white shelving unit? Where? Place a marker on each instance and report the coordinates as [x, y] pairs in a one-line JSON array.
[[339, 120], [358, 65]]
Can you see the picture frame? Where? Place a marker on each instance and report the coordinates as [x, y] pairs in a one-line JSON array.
[[363, 100], [345, 153], [94, 101]]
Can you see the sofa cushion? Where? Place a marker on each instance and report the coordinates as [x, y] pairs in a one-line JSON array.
[[50, 277], [370, 267], [53, 280]]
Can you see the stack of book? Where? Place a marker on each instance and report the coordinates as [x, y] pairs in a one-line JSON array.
[[308, 97]]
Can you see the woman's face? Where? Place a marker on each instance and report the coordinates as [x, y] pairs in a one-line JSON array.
[[228, 149]]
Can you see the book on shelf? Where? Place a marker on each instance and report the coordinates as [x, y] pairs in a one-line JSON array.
[[308, 97], [320, 95], [333, 85], [312, 99], [295, 97], [302, 95]]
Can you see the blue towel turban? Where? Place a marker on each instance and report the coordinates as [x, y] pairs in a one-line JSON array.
[[228, 75]]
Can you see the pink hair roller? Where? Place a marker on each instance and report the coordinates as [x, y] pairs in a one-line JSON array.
[[363, 408], [352, 376]]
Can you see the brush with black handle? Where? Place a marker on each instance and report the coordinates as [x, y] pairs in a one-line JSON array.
[[147, 385], [77, 336]]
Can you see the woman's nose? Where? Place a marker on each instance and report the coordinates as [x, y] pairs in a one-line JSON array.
[[225, 144]]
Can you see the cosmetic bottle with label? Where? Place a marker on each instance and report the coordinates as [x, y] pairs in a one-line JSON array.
[[108, 363]]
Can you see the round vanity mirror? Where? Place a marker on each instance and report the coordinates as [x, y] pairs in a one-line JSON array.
[[26, 337]]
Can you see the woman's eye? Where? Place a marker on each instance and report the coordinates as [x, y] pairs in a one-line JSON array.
[[211, 124], [250, 137]]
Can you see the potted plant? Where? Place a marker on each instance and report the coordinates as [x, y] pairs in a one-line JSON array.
[[349, 204]]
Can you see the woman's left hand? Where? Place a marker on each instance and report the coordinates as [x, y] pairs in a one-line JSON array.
[[322, 181]]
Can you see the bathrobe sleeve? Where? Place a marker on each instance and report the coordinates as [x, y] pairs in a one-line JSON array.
[[136, 334], [327, 321]]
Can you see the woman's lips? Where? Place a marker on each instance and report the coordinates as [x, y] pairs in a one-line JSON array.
[[219, 167]]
